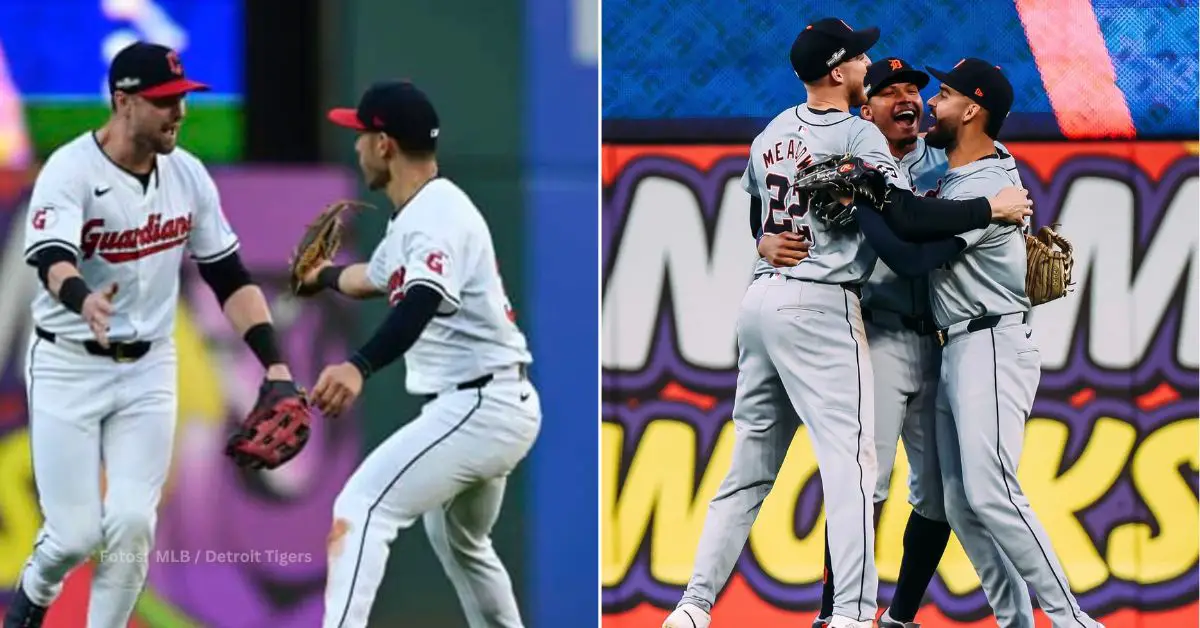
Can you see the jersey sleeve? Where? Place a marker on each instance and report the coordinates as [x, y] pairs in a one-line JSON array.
[[868, 143], [418, 256], [212, 237], [431, 259], [378, 270], [984, 183], [55, 213], [749, 178]]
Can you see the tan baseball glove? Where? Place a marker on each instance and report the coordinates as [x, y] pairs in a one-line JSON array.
[[1048, 271], [320, 243]]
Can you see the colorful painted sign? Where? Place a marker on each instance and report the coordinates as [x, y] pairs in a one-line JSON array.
[[1110, 462]]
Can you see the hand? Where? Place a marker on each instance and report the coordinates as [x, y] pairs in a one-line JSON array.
[[337, 387], [308, 283], [1011, 204], [784, 249], [97, 308]]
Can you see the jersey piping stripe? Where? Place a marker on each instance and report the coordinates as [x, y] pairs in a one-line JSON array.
[[216, 256], [371, 510], [436, 288], [801, 118], [1008, 489], [45, 244], [862, 580], [41, 538]]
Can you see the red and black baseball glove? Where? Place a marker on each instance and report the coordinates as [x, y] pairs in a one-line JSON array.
[[276, 430]]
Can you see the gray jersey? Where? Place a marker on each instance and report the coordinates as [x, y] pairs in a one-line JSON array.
[[795, 138], [926, 167], [988, 278]]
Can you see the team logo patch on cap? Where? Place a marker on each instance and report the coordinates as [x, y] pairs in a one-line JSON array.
[[895, 64]]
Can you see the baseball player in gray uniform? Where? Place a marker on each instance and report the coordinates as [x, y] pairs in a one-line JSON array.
[[981, 309], [802, 350], [978, 301], [906, 357]]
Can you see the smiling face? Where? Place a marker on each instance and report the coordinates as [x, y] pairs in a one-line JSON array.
[[155, 122], [896, 110], [951, 111]]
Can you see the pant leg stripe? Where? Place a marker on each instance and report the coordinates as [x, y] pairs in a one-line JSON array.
[[862, 580], [1008, 489], [41, 537], [367, 522]]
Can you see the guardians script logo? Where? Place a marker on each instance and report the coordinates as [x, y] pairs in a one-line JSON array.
[[1110, 460], [128, 245]]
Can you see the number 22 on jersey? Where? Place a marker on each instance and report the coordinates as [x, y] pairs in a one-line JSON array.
[[784, 209]]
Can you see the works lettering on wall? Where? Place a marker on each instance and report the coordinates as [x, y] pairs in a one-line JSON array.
[[1110, 461]]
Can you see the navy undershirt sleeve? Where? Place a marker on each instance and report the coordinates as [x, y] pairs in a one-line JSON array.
[[399, 331], [905, 258]]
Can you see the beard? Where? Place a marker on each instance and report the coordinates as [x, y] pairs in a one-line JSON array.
[[375, 179], [157, 141], [857, 96], [940, 136]]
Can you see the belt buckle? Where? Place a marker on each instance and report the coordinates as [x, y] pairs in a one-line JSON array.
[[941, 337], [119, 353]]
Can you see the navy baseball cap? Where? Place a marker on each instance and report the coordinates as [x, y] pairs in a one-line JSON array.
[[890, 71], [985, 84], [396, 108], [825, 44], [150, 70]]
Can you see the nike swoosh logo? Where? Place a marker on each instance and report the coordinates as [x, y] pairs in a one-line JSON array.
[[101, 191], [1029, 333], [525, 396]]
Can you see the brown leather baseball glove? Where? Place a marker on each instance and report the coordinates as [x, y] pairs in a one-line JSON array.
[[1048, 271], [320, 242], [276, 430]]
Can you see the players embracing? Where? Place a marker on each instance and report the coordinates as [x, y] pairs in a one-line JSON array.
[[802, 349], [905, 343]]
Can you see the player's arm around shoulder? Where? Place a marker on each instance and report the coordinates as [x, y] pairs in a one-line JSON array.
[[983, 183]]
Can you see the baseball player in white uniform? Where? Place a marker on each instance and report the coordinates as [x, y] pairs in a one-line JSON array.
[[802, 350], [110, 217], [452, 321], [906, 358]]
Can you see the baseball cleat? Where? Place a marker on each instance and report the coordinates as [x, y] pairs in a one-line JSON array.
[[820, 622], [23, 613], [687, 616], [886, 621]]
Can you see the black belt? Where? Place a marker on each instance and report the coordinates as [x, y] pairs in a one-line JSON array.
[[922, 325], [480, 382], [118, 351], [979, 324]]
